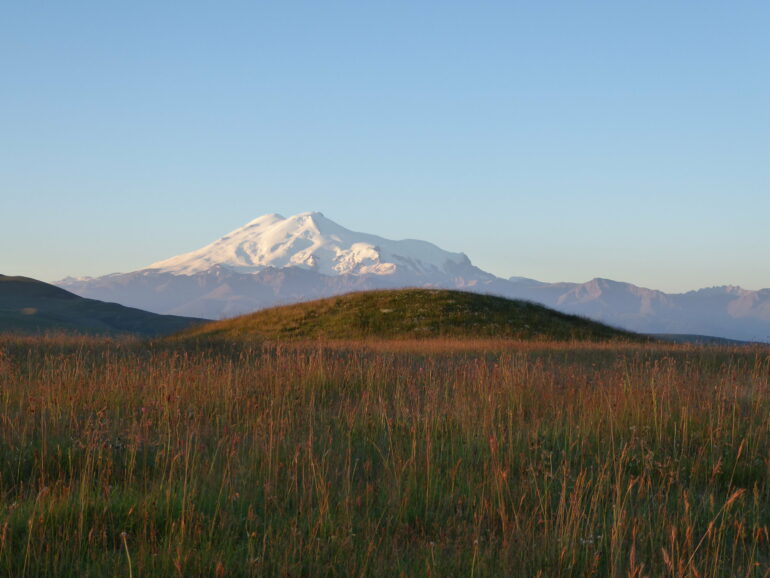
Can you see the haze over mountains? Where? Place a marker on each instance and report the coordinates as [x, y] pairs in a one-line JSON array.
[[274, 260]]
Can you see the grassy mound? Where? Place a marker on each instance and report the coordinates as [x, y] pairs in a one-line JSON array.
[[409, 313]]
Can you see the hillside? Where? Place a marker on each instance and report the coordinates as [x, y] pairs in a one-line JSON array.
[[409, 313], [31, 306]]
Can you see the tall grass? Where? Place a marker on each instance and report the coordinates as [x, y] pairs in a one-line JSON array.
[[427, 458]]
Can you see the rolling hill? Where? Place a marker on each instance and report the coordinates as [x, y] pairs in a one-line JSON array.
[[31, 306], [408, 313]]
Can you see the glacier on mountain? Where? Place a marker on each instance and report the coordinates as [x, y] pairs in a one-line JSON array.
[[313, 242]]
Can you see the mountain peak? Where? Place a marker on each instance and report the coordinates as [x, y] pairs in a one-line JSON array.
[[604, 282], [312, 241], [266, 219]]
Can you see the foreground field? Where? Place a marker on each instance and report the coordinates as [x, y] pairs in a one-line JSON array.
[[441, 458]]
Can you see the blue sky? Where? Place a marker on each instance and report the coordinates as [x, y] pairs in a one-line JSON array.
[[554, 140]]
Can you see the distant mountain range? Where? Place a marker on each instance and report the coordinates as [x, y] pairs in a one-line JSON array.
[[729, 312], [274, 260], [29, 306]]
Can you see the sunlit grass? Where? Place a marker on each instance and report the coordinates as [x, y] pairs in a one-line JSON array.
[[409, 314], [440, 457]]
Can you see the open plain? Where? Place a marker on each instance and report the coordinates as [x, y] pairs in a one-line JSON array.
[[440, 457]]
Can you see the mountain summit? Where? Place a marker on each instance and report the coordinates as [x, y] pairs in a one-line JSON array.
[[311, 241]]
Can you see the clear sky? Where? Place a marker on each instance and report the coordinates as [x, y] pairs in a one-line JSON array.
[[555, 140]]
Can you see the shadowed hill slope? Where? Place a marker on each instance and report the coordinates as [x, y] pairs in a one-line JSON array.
[[31, 306], [409, 313]]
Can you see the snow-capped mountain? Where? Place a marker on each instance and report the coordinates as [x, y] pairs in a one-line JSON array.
[[311, 241], [274, 260]]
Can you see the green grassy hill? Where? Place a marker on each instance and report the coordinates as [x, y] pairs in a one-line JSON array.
[[409, 313], [31, 306]]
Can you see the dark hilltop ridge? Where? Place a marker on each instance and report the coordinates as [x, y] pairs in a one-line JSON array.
[[409, 313], [29, 306]]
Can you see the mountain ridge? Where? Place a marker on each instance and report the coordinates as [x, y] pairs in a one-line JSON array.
[[31, 306], [274, 260]]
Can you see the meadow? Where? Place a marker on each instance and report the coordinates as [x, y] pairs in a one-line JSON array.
[[440, 457]]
